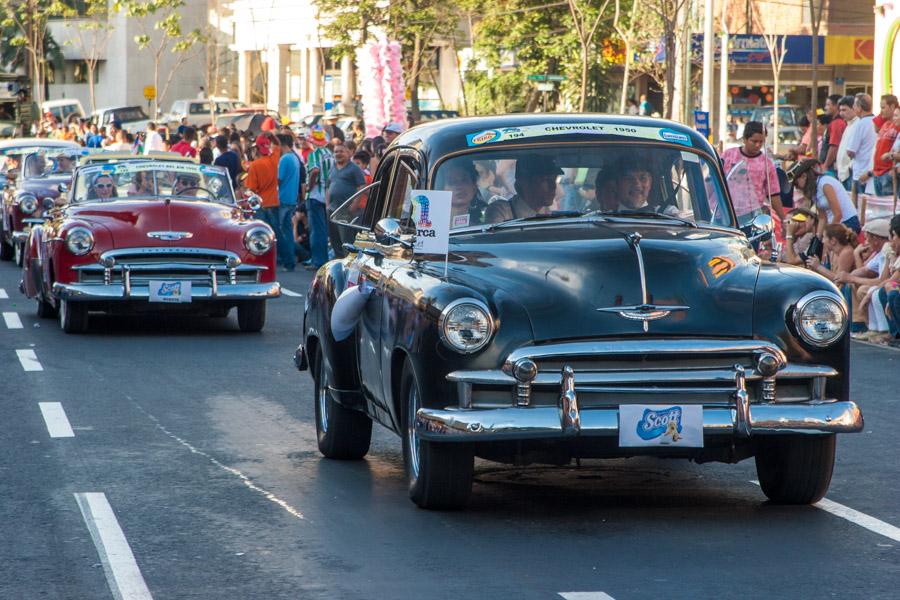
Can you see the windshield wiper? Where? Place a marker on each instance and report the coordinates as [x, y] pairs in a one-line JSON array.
[[558, 214], [646, 214]]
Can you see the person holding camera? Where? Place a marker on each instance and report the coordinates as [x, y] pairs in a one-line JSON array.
[[838, 242], [800, 239]]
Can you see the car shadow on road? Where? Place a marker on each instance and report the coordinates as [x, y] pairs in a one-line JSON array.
[[162, 325]]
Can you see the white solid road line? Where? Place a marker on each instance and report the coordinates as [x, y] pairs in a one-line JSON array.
[[55, 418], [3, 294], [586, 596], [12, 320], [861, 519], [29, 360], [854, 516], [291, 293], [122, 573]]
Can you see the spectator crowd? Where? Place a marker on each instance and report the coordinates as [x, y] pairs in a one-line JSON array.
[[848, 153]]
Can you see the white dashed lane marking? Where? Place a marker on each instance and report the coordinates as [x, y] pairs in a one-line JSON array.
[[29, 360], [857, 518], [586, 596], [122, 572], [12, 320], [56, 420], [291, 293], [3, 294]]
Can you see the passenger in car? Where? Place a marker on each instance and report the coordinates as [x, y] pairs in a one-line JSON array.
[[535, 190], [185, 185], [141, 184], [102, 188], [633, 184], [461, 178]]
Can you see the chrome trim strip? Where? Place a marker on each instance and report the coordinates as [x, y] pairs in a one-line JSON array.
[[116, 292], [454, 425], [570, 350], [170, 266], [161, 250], [585, 378]]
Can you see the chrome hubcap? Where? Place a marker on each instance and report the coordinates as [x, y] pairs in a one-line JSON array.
[[411, 435], [323, 399]]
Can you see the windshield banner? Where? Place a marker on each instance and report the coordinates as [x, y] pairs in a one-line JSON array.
[[506, 134], [431, 211], [137, 165]]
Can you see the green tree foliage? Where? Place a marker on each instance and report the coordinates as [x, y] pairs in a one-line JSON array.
[[513, 39], [92, 31]]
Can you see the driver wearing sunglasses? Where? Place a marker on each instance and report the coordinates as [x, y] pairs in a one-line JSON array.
[[103, 187]]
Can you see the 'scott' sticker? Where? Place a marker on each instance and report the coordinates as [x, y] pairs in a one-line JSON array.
[[663, 425]]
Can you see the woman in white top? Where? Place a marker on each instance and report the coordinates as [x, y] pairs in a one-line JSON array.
[[827, 193]]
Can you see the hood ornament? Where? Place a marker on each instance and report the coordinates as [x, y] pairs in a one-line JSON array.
[[170, 236], [644, 311]]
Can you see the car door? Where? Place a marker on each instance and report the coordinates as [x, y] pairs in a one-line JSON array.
[[386, 256]]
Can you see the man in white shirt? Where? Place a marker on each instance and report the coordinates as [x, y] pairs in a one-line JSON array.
[[861, 146], [153, 141], [843, 163]]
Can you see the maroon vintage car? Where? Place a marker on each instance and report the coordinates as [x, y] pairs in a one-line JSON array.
[[31, 179], [151, 235]]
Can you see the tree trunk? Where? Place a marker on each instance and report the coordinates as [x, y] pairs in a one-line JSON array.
[[155, 102], [669, 90], [91, 65], [584, 75], [626, 74]]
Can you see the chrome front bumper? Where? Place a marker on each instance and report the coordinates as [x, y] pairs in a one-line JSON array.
[[20, 237], [117, 292], [746, 387], [549, 422]]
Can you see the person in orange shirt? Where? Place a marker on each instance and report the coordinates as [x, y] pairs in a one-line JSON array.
[[262, 179]]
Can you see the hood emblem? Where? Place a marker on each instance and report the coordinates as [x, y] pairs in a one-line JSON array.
[[170, 236], [644, 311]]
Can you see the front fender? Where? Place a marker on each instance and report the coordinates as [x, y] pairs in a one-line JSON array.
[[778, 289], [341, 356]]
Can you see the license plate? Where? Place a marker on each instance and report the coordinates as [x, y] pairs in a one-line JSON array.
[[174, 292], [660, 425]]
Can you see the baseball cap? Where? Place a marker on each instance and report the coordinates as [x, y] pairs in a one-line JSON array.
[[879, 227], [264, 144], [536, 166], [394, 127]]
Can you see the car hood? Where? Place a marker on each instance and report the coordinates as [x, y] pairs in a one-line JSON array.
[[209, 224], [562, 275]]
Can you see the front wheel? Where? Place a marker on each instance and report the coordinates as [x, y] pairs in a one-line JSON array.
[[439, 474], [252, 315], [6, 251], [341, 433], [795, 469], [73, 316], [45, 309]]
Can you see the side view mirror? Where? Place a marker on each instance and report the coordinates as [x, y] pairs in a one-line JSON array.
[[761, 228], [389, 232]]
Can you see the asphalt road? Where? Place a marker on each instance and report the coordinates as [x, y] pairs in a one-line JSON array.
[[192, 472]]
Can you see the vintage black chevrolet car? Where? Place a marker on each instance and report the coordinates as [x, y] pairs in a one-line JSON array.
[[600, 299]]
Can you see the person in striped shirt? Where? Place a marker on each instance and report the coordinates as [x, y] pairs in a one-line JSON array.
[[319, 166]]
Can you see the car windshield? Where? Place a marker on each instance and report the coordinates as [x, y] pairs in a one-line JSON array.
[[132, 113], [628, 180], [154, 179], [49, 163]]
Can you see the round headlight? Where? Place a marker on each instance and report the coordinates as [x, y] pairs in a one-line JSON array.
[[259, 240], [28, 204], [79, 241], [820, 318], [466, 325]]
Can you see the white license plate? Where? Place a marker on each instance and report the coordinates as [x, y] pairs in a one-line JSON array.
[[174, 292], [661, 425]]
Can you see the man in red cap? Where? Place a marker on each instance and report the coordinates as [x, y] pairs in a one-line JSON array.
[[262, 179]]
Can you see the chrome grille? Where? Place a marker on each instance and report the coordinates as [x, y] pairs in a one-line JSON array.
[[168, 263]]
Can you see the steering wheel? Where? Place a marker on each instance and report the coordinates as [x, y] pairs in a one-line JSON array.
[[194, 187]]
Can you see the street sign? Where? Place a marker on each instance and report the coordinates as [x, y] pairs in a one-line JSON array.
[[546, 77], [546, 87], [701, 122], [149, 92]]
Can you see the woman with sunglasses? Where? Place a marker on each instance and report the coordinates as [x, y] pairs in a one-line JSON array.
[[102, 188], [827, 193]]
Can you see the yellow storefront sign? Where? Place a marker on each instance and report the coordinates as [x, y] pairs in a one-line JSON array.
[[849, 50]]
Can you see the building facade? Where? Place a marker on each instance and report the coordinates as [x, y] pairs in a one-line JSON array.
[[123, 71]]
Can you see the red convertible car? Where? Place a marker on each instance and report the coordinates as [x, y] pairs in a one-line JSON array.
[[151, 235], [30, 182]]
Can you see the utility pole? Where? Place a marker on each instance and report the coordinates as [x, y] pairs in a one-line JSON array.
[[723, 78], [708, 50]]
